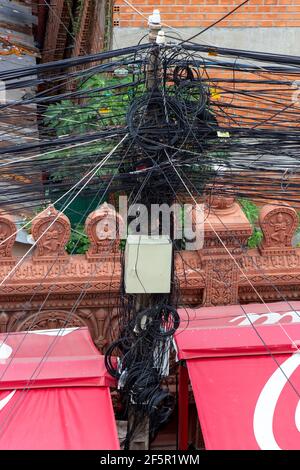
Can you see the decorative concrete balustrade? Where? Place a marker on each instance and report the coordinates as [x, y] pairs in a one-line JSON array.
[[52, 289]]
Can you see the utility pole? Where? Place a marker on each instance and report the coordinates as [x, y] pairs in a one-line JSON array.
[[153, 77], [147, 276], [142, 301], [156, 36]]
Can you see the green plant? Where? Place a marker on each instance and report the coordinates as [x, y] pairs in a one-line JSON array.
[[104, 104], [252, 213], [250, 210], [122, 245], [79, 242], [255, 239]]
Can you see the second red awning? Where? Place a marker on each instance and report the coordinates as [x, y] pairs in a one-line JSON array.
[[245, 374]]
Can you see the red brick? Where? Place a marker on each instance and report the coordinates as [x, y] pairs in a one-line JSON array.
[[199, 12], [192, 8], [294, 8], [265, 8]]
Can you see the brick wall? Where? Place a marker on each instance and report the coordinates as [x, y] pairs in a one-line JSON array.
[[82, 37], [56, 32], [202, 13], [88, 39], [237, 102]]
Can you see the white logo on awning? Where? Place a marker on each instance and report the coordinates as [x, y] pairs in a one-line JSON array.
[[267, 401], [5, 351], [270, 318], [5, 400]]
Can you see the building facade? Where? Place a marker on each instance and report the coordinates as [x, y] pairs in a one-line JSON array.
[[69, 28], [261, 25]]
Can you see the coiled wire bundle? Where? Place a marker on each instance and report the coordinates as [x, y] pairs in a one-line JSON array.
[[143, 353], [154, 121]]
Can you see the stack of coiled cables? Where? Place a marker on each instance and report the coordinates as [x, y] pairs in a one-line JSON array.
[[143, 350]]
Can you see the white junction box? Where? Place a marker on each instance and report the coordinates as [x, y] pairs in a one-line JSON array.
[[148, 262]]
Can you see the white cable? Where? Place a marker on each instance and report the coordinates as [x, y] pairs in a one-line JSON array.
[[94, 171], [13, 130], [163, 24], [12, 162], [50, 205], [233, 258]]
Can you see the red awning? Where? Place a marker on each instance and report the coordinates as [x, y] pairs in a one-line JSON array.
[[245, 374], [54, 392]]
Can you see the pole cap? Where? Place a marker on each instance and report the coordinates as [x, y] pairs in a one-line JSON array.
[[154, 18]]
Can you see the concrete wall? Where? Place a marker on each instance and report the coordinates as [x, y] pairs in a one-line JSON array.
[[261, 25], [276, 40], [202, 13]]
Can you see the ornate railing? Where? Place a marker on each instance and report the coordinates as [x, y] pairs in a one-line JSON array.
[[52, 289]]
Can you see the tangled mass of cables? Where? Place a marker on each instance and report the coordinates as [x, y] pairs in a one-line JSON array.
[[218, 116], [212, 118], [143, 349]]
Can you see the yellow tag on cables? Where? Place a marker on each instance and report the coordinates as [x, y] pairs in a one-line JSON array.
[[215, 93], [223, 135]]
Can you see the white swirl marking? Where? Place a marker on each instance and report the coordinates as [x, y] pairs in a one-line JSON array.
[[267, 401], [297, 416], [54, 332], [5, 351], [5, 400]]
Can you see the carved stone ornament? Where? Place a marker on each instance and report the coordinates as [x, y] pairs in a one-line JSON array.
[[7, 237], [278, 224], [221, 282], [103, 227], [51, 230], [46, 320], [225, 225], [208, 276], [220, 202], [3, 322]]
